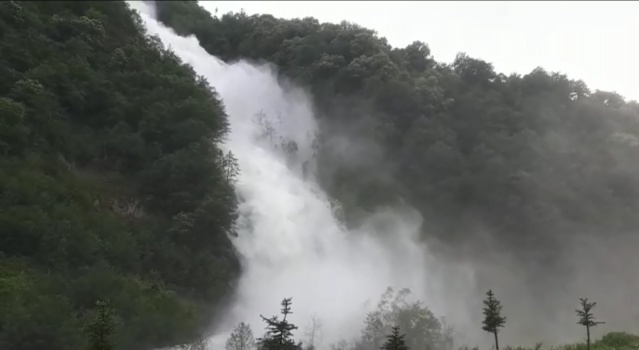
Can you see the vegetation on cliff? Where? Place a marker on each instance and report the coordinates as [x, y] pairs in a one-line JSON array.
[[112, 184], [114, 189]]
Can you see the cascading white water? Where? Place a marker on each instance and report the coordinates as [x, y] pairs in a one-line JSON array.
[[289, 239]]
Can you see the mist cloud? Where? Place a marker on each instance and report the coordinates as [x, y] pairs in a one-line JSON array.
[[292, 245], [289, 239]]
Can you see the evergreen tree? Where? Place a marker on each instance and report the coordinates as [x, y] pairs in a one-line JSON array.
[[586, 318], [279, 334], [493, 320], [395, 341], [101, 328]]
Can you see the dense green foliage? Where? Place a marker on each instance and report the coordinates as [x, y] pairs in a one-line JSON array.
[[113, 185], [111, 181], [531, 159]]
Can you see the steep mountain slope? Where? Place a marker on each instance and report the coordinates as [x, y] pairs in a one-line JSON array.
[[528, 158], [531, 179], [112, 184]]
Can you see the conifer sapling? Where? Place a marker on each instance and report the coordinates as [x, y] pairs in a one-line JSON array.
[[493, 320], [586, 318], [395, 341]]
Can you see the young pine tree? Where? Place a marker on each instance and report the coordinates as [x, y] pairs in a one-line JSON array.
[[586, 318], [493, 320], [395, 341], [101, 328], [279, 334]]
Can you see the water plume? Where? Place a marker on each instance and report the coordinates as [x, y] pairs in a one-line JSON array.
[[290, 242]]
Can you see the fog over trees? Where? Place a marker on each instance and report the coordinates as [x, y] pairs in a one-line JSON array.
[[118, 207]]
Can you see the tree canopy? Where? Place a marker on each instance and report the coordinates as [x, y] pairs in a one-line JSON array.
[[113, 185], [533, 159]]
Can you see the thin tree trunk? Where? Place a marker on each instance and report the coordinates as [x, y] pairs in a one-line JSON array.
[[497, 341], [588, 336]]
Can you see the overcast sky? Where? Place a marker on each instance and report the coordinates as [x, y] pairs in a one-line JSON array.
[[597, 42]]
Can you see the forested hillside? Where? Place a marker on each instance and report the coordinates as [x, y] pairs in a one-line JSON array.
[[530, 159], [535, 172], [112, 184]]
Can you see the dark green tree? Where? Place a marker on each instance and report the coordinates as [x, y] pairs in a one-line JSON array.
[[102, 327], [586, 317], [279, 334], [395, 341], [493, 320]]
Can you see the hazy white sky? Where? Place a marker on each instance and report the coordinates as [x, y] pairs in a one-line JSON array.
[[597, 42]]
